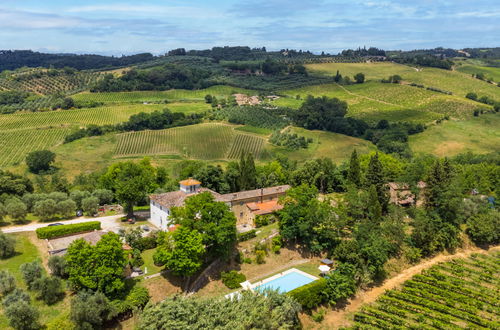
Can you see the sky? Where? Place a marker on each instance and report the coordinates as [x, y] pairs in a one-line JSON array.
[[126, 27]]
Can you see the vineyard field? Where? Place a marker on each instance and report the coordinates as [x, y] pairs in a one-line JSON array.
[[204, 141], [45, 85], [155, 96], [373, 101], [97, 116], [460, 294], [16, 144], [454, 81]]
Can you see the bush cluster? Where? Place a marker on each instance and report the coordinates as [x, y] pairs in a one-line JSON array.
[[247, 235], [310, 295], [58, 231], [290, 141], [232, 279]]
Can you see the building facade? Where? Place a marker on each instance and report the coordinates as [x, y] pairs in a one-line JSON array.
[[161, 204]]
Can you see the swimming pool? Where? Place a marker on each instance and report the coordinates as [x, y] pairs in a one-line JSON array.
[[285, 282]]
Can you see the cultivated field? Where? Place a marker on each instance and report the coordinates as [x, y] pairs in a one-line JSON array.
[[477, 66], [460, 294], [478, 134], [155, 96], [454, 81], [204, 141], [67, 83], [373, 101], [21, 133]]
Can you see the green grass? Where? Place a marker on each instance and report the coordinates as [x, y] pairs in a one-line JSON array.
[[28, 252], [477, 66], [154, 96], [373, 101], [478, 135], [147, 256], [335, 146], [253, 129], [457, 82]]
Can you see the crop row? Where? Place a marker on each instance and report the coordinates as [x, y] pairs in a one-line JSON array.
[[15, 145], [205, 141], [439, 299]]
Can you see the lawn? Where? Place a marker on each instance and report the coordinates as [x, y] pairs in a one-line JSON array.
[[337, 147], [478, 135], [27, 251], [147, 256]]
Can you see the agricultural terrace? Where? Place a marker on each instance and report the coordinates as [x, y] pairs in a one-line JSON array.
[[373, 101], [204, 141], [478, 135], [156, 96], [454, 81], [460, 294], [21, 133]]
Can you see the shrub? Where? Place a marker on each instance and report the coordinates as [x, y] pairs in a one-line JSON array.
[[136, 299], [471, 96], [58, 231], [16, 209], [232, 279], [247, 235], [7, 246], [31, 271], [310, 295], [318, 316], [57, 266], [260, 256], [15, 296], [261, 220], [90, 310], [40, 160], [484, 228], [49, 289], [22, 315], [7, 282], [90, 205]]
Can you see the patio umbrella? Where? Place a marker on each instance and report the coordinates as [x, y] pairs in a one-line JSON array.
[[324, 268]]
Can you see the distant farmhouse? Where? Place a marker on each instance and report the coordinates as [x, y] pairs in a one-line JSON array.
[[245, 204]]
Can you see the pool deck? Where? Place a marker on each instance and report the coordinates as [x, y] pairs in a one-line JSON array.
[[274, 277]]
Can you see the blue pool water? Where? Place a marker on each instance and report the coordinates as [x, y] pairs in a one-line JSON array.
[[286, 282]]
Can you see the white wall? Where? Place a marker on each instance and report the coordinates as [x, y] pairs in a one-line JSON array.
[[159, 216]]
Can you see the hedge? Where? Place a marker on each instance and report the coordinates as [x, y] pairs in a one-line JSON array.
[[247, 235], [63, 230], [310, 295]]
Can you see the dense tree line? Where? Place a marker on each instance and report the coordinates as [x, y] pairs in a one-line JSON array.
[[139, 122], [11, 60]]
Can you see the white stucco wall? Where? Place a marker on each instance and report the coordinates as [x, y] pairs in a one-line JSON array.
[[159, 216]]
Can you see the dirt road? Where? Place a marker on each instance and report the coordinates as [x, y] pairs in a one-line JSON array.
[[338, 318]]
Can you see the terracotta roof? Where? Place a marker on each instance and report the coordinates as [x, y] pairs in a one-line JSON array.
[[173, 228], [264, 208], [190, 182], [177, 198], [255, 193]]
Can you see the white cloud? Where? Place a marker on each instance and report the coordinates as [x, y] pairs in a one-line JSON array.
[[479, 14]]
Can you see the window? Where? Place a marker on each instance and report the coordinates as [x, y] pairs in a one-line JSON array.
[[241, 214]]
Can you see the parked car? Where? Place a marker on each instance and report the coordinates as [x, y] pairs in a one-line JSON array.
[[55, 224], [79, 213], [145, 228]]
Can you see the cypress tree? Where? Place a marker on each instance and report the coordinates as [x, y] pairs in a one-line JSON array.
[[374, 207], [375, 177], [251, 172], [354, 172], [436, 179]]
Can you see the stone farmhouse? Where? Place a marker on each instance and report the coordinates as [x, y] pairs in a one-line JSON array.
[[245, 204]]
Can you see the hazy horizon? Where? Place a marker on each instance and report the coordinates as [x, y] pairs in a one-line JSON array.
[[116, 27]]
